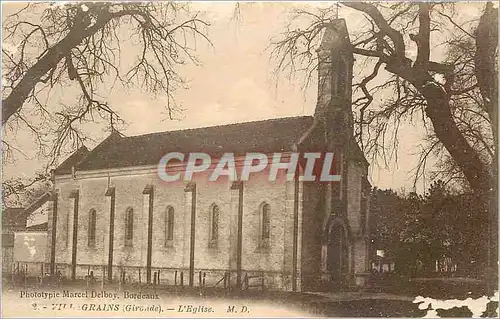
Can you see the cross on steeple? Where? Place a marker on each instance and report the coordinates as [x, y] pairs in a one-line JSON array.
[[337, 6]]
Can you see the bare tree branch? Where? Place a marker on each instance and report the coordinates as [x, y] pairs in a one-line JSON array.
[[79, 45], [416, 86]]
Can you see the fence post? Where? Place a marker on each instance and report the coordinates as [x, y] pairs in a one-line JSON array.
[[154, 279], [120, 280], [175, 279], [13, 276], [124, 276], [204, 276], [225, 281], [182, 279], [103, 274], [25, 275]]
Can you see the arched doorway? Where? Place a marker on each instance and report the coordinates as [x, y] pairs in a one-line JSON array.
[[337, 255]]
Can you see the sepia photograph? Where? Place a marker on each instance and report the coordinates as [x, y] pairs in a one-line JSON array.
[[229, 159]]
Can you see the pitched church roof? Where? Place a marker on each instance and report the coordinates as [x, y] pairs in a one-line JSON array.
[[274, 135], [73, 160]]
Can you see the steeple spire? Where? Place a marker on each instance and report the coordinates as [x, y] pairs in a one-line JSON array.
[[335, 64]]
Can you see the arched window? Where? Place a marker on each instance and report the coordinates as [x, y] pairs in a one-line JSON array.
[[92, 227], [214, 224], [129, 226], [169, 225], [265, 224]]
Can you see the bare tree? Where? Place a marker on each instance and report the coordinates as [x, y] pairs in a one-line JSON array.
[[457, 95], [78, 46], [17, 192]]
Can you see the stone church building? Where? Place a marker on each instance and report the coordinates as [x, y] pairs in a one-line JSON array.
[[113, 216]]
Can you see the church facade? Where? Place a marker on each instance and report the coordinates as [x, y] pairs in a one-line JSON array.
[[111, 215]]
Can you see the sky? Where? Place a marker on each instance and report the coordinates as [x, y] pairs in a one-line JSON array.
[[234, 83]]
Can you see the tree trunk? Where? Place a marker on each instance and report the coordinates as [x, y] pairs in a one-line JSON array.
[[478, 174], [485, 64], [475, 170]]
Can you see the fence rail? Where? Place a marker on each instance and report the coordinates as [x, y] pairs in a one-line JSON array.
[[95, 274]]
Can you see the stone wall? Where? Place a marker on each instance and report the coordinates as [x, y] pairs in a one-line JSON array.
[[275, 260]]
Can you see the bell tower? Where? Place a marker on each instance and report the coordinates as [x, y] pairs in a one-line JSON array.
[[334, 117], [335, 64], [333, 108]]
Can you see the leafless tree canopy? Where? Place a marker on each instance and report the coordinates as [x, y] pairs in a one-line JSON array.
[[455, 98], [78, 46]]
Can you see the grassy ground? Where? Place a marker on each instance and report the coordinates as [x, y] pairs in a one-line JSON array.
[[372, 303], [434, 287]]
